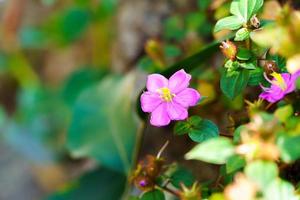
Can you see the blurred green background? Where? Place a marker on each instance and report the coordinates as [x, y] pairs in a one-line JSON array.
[[70, 75]]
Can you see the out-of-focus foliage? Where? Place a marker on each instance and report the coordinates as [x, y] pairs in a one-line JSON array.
[[63, 100], [103, 125]]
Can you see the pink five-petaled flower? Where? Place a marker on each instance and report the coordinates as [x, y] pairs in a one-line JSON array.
[[168, 100], [281, 85]]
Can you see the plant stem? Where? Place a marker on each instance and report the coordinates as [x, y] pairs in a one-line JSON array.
[[139, 140], [248, 44], [165, 188], [269, 106]]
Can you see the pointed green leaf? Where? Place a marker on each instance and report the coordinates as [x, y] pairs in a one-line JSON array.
[[289, 147], [230, 23], [234, 85], [216, 151], [204, 130], [234, 8], [153, 195], [182, 175], [244, 54], [248, 65], [103, 125], [248, 8], [235, 163], [256, 77]]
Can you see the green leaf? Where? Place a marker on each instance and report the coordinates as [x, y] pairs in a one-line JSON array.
[[289, 147], [244, 54], [280, 190], [248, 65], [146, 64], [234, 8], [94, 185], [173, 28], [204, 130], [216, 151], [78, 81], [133, 198], [283, 113], [237, 134], [172, 51], [197, 128], [182, 175], [262, 172], [235, 163], [256, 77], [68, 26], [184, 127], [233, 85], [104, 125], [230, 23], [242, 34], [153, 195], [203, 4], [247, 8]]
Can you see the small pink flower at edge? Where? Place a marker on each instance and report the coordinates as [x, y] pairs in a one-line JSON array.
[[281, 85], [168, 99]]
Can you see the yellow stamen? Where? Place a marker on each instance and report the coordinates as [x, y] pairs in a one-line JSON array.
[[166, 94], [279, 80]]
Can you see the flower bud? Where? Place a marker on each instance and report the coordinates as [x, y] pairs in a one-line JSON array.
[[154, 50], [254, 21], [270, 66], [153, 166], [229, 49], [193, 193], [144, 183]]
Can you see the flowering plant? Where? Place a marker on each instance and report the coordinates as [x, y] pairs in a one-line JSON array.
[[257, 149]]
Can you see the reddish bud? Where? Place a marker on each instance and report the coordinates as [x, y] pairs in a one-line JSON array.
[[229, 49], [270, 66], [255, 22], [144, 183]]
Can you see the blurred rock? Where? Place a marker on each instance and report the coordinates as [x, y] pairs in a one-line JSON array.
[[136, 22]]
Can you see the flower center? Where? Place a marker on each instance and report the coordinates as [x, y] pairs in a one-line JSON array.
[[166, 94], [279, 81]]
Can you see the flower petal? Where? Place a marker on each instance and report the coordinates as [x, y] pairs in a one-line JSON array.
[[289, 81], [176, 111], [150, 101], [160, 117], [187, 97], [156, 81], [272, 95], [179, 81]]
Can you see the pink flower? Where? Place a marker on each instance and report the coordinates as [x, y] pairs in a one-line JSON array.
[[168, 100], [281, 85]]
